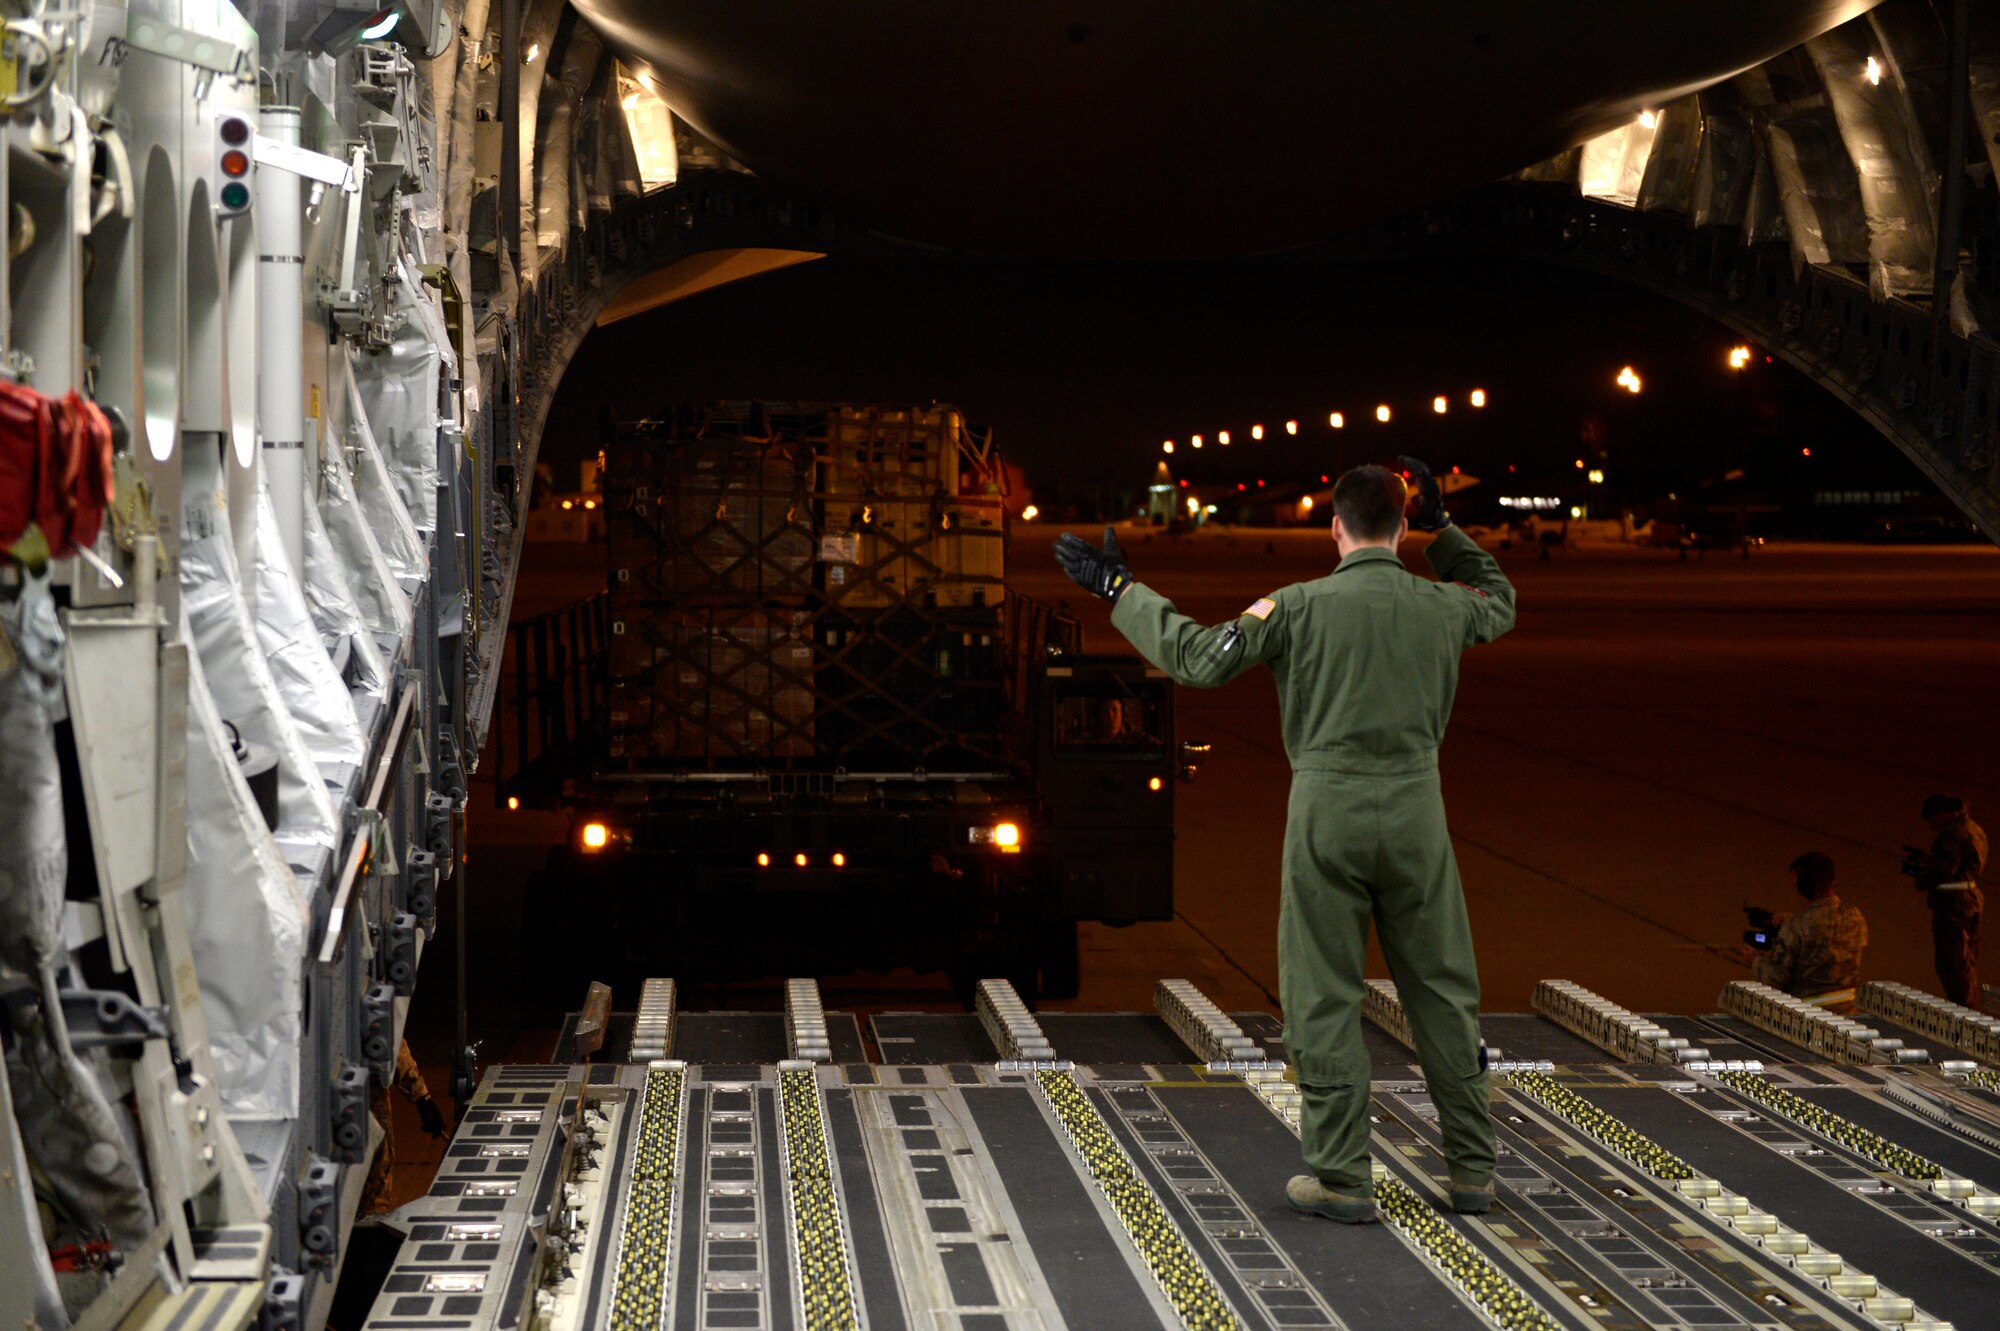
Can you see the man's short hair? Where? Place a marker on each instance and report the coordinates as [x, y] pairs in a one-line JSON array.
[[1937, 804], [1814, 870], [1369, 501]]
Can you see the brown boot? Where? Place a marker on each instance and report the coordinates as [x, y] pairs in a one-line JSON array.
[[1309, 1196]]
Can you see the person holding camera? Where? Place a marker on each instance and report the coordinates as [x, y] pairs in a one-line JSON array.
[[1813, 952], [1948, 876], [1366, 661], [376, 1194]]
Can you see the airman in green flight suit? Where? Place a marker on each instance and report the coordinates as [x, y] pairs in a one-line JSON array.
[[1366, 661]]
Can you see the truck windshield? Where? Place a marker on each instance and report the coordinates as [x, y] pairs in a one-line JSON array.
[[1110, 718]]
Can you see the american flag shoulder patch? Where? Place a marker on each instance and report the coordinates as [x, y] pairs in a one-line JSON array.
[[1261, 608]]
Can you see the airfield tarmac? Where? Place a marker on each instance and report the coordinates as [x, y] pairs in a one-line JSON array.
[[1628, 768]]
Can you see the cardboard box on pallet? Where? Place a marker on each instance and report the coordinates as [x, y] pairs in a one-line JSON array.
[[888, 478], [903, 686], [890, 553], [636, 643], [893, 452], [706, 521], [945, 554], [724, 683], [972, 555], [861, 624]]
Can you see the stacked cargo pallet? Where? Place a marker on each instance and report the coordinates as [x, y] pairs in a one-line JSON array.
[[913, 579], [710, 531], [809, 582]]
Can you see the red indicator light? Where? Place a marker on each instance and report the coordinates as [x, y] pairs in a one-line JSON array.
[[235, 162], [234, 131]]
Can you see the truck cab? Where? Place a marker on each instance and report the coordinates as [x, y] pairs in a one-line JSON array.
[[1108, 760]]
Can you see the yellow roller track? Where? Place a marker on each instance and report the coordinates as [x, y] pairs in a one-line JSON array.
[[638, 1293], [1182, 1277], [826, 1282], [1831, 1125]]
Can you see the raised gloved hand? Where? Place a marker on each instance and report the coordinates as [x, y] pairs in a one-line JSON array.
[[1427, 512], [432, 1118], [1099, 572]]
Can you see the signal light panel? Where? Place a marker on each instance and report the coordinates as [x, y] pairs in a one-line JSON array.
[[234, 141]]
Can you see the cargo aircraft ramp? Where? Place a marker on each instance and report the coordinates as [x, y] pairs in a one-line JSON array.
[[1770, 1165]]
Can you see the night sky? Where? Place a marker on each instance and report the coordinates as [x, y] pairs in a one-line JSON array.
[[1084, 370]]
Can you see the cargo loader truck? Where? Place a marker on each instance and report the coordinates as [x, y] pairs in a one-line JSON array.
[[809, 708]]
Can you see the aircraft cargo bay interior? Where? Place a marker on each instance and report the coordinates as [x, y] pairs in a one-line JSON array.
[[933, 665]]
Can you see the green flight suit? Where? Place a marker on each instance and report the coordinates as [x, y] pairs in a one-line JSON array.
[[1366, 661]]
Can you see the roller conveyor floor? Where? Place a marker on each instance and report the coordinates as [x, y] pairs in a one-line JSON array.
[[1003, 1170]]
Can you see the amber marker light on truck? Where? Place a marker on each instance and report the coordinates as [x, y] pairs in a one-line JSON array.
[[839, 860], [596, 836], [1004, 837], [763, 859], [1154, 784], [800, 859]]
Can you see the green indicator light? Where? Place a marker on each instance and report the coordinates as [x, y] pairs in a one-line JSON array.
[[235, 195]]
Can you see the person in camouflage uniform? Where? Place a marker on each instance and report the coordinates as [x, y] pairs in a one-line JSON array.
[[1948, 876], [409, 1082], [1818, 947]]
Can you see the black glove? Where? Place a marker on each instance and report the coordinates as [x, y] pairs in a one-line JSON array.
[[1099, 572], [432, 1118], [1427, 514]]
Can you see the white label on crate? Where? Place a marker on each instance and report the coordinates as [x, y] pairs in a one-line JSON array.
[[837, 574], [839, 550]]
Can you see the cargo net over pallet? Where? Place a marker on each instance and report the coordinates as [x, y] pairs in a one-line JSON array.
[[810, 586]]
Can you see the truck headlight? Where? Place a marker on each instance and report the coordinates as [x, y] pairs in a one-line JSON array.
[[1004, 837], [596, 836]]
